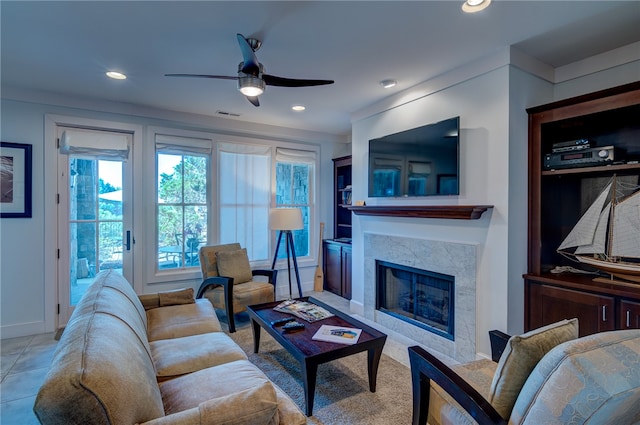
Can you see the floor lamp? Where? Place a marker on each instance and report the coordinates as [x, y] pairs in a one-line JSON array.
[[285, 220]]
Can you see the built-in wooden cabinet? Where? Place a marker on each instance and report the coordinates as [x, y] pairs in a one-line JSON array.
[[337, 251], [559, 196], [337, 268], [342, 198]]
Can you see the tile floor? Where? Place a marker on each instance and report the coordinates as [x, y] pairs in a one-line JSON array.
[[25, 362]]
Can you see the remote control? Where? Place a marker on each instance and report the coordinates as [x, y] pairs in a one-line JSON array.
[[293, 325], [281, 321]]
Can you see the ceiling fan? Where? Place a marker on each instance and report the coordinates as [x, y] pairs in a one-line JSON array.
[[251, 77]]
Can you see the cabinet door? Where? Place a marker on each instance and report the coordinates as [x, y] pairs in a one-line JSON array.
[[346, 272], [332, 268], [629, 315], [549, 304]]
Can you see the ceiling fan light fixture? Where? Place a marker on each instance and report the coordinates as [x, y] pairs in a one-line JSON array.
[[250, 86], [473, 6], [116, 75]]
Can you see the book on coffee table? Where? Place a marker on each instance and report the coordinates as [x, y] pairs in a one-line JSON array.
[[339, 334]]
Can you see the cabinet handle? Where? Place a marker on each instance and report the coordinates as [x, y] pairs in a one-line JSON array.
[[604, 313], [628, 319]]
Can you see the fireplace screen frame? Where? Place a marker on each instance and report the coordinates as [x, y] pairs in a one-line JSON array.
[[406, 315]]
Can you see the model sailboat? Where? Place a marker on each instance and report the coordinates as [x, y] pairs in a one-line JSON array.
[[607, 236]]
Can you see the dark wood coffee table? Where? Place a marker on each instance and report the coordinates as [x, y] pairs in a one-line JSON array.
[[310, 353]]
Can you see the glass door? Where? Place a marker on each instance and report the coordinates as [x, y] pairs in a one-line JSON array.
[[94, 224]]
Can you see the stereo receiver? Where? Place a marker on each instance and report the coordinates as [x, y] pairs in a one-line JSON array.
[[581, 158]]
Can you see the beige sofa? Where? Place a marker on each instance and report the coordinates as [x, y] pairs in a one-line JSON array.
[[154, 359]]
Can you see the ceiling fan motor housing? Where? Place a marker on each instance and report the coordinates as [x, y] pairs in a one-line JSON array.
[[248, 84]]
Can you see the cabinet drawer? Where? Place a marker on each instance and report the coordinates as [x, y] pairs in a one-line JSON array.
[[549, 304], [629, 316]]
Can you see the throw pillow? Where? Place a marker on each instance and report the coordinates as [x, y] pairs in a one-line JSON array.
[[176, 297], [520, 356], [234, 264]]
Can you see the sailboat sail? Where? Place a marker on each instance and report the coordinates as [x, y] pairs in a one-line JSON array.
[[584, 231], [607, 237], [600, 235], [626, 228]]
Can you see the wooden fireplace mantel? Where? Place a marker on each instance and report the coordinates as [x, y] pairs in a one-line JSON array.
[[460, 212]]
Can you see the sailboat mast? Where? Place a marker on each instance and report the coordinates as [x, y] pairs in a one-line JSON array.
[[611, 214]]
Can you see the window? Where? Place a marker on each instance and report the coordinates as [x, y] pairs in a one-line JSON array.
[[294, 189], [182, 167], [245, 178]]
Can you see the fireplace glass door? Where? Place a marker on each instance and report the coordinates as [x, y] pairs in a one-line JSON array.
[[420, 297]]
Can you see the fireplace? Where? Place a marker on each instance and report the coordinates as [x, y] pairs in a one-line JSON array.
[[455, 261], [420, 297]]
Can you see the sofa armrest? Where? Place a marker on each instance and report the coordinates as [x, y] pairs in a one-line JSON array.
[[426, 367], [149, 301]]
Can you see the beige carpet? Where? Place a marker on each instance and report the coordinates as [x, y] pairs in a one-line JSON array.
[[342, 394]]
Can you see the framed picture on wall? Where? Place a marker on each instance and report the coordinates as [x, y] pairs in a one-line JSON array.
[[15, 180]]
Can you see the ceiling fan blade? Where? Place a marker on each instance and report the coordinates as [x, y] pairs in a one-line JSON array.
[[272, 80], [219, 77], [254, 100], [251, 65]]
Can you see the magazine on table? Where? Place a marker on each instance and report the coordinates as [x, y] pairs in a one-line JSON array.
[[304, 310], [339, 334]]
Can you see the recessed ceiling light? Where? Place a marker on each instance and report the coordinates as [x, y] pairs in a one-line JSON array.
[[473, 6], [298, 108], [387, 84], [116, 75]]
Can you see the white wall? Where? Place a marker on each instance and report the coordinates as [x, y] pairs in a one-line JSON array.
[[482, 105], [491, 97], [24, 279]]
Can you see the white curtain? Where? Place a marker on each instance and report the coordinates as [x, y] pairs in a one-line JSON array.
[[245, 186]]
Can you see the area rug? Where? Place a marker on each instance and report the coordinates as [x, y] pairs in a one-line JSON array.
[[342, 394]]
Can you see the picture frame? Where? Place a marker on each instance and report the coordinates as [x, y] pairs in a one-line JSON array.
[[15, 180]]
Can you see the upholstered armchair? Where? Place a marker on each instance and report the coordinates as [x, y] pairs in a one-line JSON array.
[[546, 376], [228, 281]]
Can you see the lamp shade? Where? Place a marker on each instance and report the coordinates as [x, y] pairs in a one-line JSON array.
[[285, 219]]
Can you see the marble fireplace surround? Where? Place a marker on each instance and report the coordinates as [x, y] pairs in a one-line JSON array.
[[451, 258]]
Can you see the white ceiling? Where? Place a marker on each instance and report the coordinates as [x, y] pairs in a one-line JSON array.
[[66, 47]]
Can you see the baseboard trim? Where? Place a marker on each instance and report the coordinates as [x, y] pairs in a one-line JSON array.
[[22, 329]]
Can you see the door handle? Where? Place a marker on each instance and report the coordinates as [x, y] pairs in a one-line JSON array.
[[128, 243]]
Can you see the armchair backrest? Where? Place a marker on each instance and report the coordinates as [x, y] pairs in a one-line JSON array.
[[594, 379], [208, 261]]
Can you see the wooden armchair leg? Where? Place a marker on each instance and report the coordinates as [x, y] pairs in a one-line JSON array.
[[232, 321]]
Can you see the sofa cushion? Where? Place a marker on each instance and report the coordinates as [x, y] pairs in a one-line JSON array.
[[237, 388], [182, 320], [520, 356], [234, 264], [177, 356], [591, 380], [176, 297]]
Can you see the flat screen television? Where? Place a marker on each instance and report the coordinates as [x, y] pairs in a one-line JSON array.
[[423, 161]]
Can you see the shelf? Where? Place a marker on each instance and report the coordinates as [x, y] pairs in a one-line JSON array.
[[604, 168], [460, 212]]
